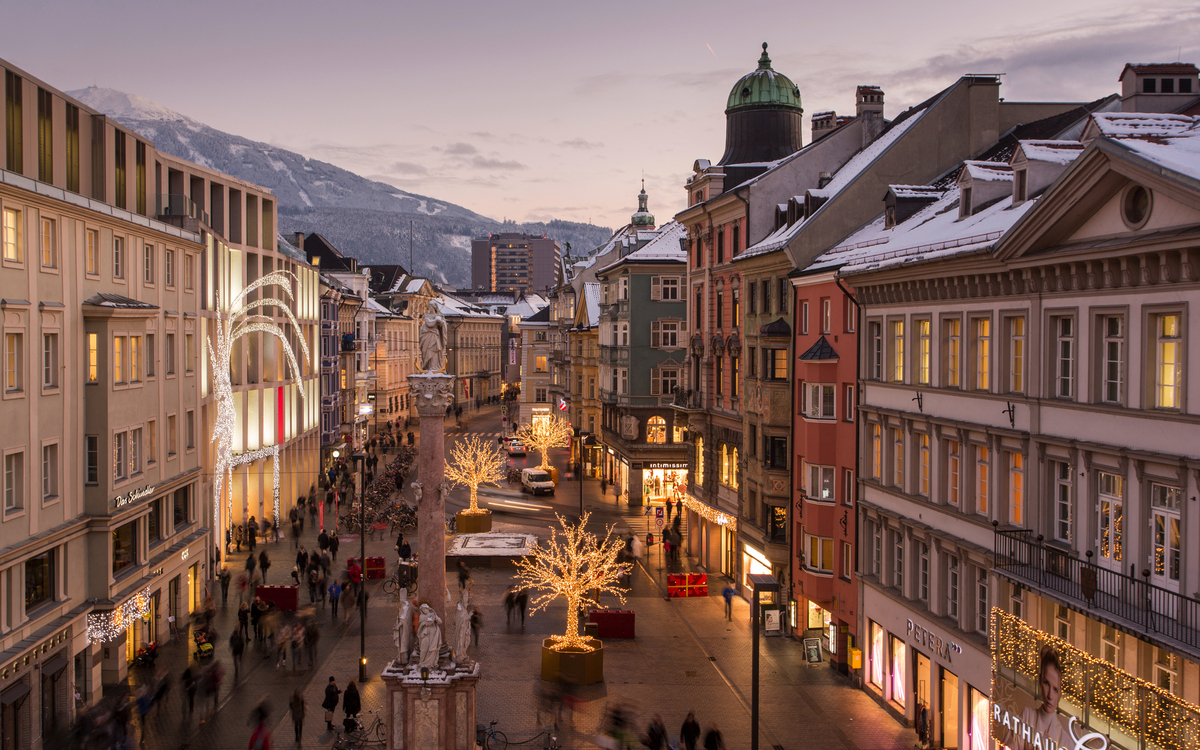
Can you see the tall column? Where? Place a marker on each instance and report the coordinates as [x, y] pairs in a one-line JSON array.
[[432, 393]]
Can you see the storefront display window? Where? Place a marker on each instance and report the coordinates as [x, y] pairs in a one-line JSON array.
[[658, 484], [179, 505], [981, 710], [876, 655], [122, 550], [154, 521], [753, 561], [899, 672]]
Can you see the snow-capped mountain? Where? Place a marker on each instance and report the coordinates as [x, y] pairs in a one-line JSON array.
[[367, 219]]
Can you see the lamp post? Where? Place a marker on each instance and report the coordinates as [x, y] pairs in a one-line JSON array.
[[759, 583], [361, 459]]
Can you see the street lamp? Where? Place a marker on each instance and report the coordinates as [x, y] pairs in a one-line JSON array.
[[361, 460], [759, 583]]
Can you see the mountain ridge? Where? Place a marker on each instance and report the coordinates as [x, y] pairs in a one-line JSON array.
[[367, 219]]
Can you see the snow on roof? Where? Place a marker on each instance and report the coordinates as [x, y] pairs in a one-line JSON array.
[[1140, 124], [915, 191], [844, 176], [108, 299], [454, 307], [1056, 152], [935, 231], [664, 246], [824, 113], [591, 300], [1178, 150], [526, 306], [988, 171], [377, 308]]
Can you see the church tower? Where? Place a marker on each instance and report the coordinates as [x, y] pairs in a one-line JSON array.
[[762, 117]]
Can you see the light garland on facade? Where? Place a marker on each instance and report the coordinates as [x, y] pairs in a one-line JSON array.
[[1116, 697], [241, 320], [474, 462], [574, 564], [106, 626], [709, 513], [251, 457]]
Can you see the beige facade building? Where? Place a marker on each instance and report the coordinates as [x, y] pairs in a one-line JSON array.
[[473, 355], [537, 376]]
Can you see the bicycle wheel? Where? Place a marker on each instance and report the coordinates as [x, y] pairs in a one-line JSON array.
[[496, 739], [389, 586], [380, 731]]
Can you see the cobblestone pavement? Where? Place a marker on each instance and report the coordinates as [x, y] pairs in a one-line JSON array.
[[686, 656]]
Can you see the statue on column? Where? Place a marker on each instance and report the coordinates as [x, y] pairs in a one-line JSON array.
[[444, 488], [417, 489], [429, 637], [402, 632], [432, 339], [462, 629]]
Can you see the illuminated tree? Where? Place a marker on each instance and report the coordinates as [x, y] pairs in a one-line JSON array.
[[545, 433], [574, 564], [474, 462], [243, 318]]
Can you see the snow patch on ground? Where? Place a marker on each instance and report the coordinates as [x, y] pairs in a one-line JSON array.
[[460, 241], [437, 273], [304, 197], [423, 207], [237, 149], [120, 105]]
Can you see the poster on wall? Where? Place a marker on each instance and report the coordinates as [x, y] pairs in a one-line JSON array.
[[772, 621], [812, 650], [1024, 721]]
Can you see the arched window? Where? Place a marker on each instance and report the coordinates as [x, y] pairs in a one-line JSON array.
[[656, 430], [724, 464]]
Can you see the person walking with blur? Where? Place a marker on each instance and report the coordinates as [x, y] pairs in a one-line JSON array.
[[260, 738], [335, 594], [689, 733], [713, 740], [351, 704], [727, 594], [297, 707], [237, 645], [330, 703]]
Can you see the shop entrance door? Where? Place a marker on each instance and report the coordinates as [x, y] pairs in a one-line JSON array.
[[922, 680], [948, 701]]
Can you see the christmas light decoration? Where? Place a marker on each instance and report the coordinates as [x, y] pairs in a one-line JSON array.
[[545, 433], [709, 513], [241, 320], [574, 564], [251, 457], [474, 462], [106, 626], [1111, 695]]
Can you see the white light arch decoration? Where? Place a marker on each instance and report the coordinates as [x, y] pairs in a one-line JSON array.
[[241, 320], [251, 457]]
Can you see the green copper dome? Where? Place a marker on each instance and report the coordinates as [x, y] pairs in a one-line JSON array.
[[764, 88], [643, 217]]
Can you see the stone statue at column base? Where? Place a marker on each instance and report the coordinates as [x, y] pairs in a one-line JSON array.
[[402, 632]]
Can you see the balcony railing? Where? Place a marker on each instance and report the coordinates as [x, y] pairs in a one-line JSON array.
[[614, 355], [1135, 602]]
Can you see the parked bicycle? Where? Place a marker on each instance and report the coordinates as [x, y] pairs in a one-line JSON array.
[[492, 737], [375, 733]]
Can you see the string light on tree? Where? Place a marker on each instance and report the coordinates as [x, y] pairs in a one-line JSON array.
[[107, 626], [474, 462], [545, 433], [574, 564], [243, 319]]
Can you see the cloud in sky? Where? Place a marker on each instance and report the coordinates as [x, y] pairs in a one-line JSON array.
[[407, 167], [480, 162], [460, 149], [580, 143]]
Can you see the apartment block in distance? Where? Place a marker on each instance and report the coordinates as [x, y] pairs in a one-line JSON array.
[[511, 262]]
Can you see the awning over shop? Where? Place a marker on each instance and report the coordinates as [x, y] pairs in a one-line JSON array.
[[54, 666], [14, 694]]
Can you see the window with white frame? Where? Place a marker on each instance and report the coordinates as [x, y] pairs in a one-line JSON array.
[[118, 257], [1016, 354], [49, 472], [12, 236], [669, 289], [953, 472], [820, 483], [820, 553], [847, 560], [48, 247], [188, 259], [819, 401], [1168, 361], [875, 350], [1112, 372], [983, 354], [898, 560], [1111, 523], [14, 482], [804, 318], [981, 600], [1112, 645], [923, 571], [120, 456], [169, 353], [952, 588], [876, 451], [169, 267], [897, 351], [851, 313], [849, 406], [1064, 356], [1062, 622], [848, 487], [923, 450], [1166, 670], [982, 466], [14, 362], [190, 428], [49, 360], [826, 315], [876, 548], [923, 351], [92, 252], [135, 359], [1165, 529], [1061, 473], [1016, 489], [670, 334], [952, 334]]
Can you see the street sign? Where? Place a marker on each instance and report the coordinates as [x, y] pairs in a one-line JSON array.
[[658, 513], [658, 522]]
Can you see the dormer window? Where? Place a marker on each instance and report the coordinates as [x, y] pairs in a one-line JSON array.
[[1020, 186], [1185, 85], [964, 206], [1168, 85], [1148, 86], [889, 217]]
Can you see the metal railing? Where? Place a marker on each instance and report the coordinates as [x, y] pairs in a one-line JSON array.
[[180, 205], [612, 355], [1167, 615]]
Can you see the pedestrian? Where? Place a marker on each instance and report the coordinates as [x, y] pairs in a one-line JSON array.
[[603, 486], [323, 541], [297, 645], [713, 740], [312, 511], [728, 593], [476, 621], [351, 704], [188, 680], [251, 564], [260, 738], [335, 594], [243, 616], [333, 546], [464, 574], [314, 578], [256, 613], [311, 634], [237, 645], [295, 533], [689, 733], [302, 558], [216, 673], [668, 503], [297, 706], [522, 602], [264, 562], [405, 551], [399, 544], [330, 702], [252, 533], [656, 734], [224, 577], [510, 604]]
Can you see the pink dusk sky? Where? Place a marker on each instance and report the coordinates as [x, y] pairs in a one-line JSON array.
[[540, 110]]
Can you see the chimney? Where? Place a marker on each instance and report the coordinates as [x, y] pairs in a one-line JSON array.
[[823, 123], [1158, 87], [868, 101], [824, 179]]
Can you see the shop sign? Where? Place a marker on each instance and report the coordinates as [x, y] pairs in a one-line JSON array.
[[667, 465], [184, 554], [120, 501], [922, 636], [32, 655]]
